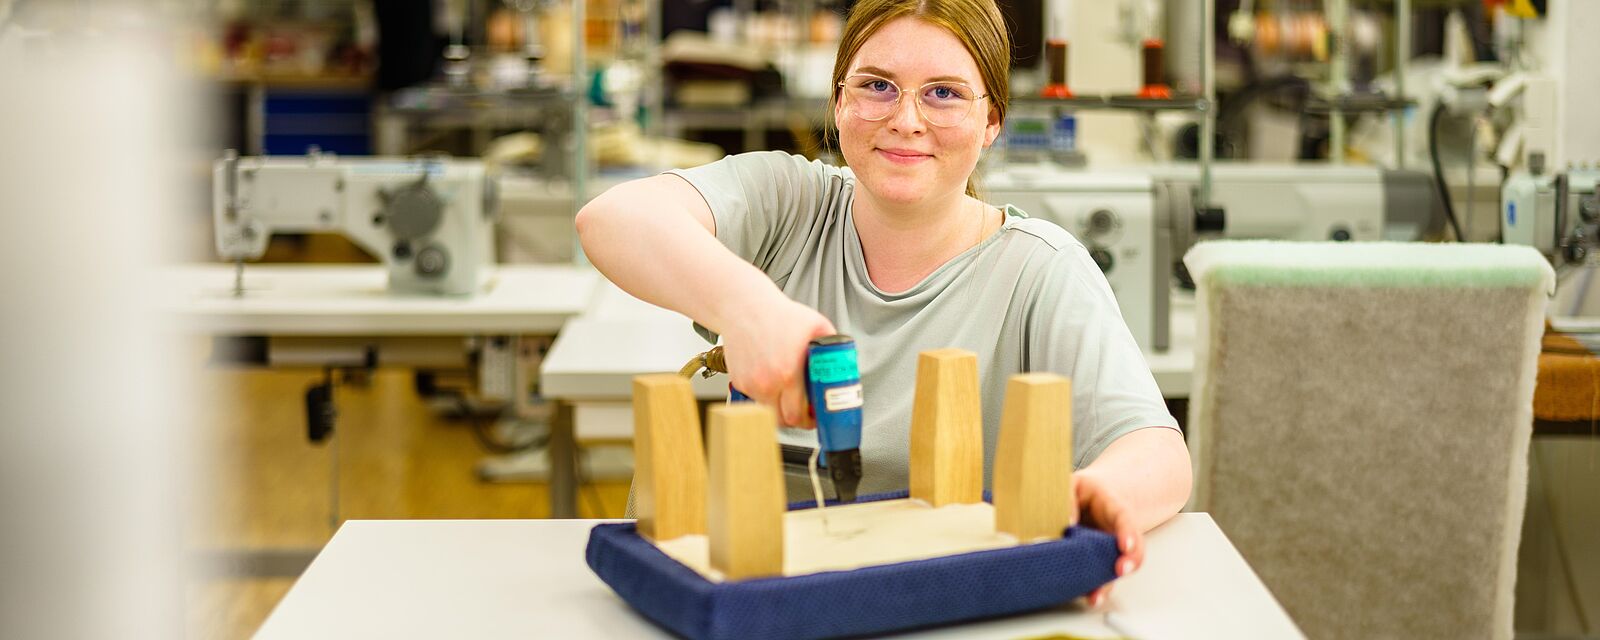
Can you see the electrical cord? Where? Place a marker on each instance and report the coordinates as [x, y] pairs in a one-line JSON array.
[[1505, 174], [1438, 172]]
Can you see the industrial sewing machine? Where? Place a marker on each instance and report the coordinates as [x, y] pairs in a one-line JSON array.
[[430, 220], [1556, 213], [1138, 222], [1116, 217]]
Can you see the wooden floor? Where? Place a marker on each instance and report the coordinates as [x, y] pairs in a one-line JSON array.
[[266, 487]]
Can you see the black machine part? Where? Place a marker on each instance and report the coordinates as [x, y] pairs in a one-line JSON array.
[[321, 414], [1577, 219], [844, 467]]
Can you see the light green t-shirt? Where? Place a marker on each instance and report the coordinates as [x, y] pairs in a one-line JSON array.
[[1026, 299]]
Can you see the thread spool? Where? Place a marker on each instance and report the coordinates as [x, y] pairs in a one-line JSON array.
[[1153, 56], [1055, 55]]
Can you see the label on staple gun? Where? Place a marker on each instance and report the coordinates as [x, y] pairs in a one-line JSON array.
[[842, 398], [828, 367]]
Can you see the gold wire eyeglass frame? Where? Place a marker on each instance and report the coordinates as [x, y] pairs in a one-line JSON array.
[[894, 106]]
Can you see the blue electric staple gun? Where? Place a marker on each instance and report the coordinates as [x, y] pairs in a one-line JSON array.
[[833, 389]]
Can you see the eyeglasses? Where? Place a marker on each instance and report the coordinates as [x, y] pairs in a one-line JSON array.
[[943, 104]]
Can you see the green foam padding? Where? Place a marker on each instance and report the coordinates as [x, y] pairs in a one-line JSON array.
[[1367, 264]]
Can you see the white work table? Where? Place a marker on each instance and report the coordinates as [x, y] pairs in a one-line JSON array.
[[327, 308], [341, 300], [590, 370], [528, 579], [616, 338]]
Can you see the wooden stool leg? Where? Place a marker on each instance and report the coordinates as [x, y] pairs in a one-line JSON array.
[[747, 497], [1033, 463], [669, 458], [947, 429]]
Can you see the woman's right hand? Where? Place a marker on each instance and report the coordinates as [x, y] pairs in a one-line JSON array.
[[765, 350], [656, 239]]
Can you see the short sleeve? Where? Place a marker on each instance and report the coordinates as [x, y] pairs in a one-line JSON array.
[[759, 201], [1076, 329]]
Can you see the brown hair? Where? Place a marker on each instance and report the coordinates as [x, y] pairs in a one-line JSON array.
[[978, 24]]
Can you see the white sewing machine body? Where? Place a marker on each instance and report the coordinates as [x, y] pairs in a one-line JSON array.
[[429, 220], [1137, 222], [1556, 213]]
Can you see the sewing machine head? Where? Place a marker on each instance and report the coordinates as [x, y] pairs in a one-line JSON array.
[[1557, 213], [430, 220]]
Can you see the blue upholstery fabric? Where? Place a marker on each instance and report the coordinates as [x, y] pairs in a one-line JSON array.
[[863, 601]]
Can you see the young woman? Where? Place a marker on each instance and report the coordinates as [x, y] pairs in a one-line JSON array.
[[769, 250]]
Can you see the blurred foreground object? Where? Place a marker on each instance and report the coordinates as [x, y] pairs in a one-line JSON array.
[[92, 453]]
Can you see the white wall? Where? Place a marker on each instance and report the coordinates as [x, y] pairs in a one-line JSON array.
[[1573, 56]]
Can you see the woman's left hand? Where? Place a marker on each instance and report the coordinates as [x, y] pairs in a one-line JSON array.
[[1101, 508]]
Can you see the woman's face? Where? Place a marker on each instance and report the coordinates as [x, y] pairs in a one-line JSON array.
[[903, 158]]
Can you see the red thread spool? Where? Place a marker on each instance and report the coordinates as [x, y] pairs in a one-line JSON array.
[[1055, 55], [1155, 82]]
